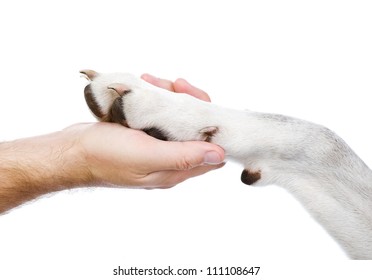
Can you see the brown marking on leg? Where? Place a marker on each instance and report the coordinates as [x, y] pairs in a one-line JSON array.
[[208, 133], [92, 103], [249, 177]]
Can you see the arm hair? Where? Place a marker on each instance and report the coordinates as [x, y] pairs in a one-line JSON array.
[[35, 166]]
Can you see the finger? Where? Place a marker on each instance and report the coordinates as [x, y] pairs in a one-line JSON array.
[[162, 83], [183, 155], [170, 178], [181, 85]]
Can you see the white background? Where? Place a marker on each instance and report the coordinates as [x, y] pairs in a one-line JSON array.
[[309, 59]]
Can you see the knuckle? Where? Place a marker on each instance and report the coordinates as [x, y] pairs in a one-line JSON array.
[[184, 164]]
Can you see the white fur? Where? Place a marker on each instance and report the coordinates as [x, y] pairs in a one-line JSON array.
[[307, 159]]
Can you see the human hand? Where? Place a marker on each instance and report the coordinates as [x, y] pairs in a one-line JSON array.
[[118, 156], [124, 157]]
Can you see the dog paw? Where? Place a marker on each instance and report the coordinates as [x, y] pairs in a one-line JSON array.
[[104, 98], [127, 100]]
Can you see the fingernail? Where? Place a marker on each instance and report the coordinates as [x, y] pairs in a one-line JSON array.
[[212, 158]]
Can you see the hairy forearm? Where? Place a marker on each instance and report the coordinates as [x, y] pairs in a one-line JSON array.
[[35, 166]]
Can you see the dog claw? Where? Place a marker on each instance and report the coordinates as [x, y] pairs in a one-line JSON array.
[[120, 89], [208, 133]]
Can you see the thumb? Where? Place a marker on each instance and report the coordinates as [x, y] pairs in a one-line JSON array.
[[187, 155]]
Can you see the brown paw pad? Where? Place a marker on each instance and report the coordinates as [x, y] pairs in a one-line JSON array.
[[92, 103], [248, 177], [156, 133], [116, 113]]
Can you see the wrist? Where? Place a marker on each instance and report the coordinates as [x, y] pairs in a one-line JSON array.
[[63, 163], [35, 166]]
